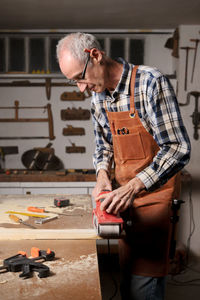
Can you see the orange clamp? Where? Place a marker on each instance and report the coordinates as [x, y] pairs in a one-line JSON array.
[[35, 252], [22, 253]]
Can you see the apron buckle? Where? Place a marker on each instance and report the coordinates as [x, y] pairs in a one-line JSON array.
[[132, 115]]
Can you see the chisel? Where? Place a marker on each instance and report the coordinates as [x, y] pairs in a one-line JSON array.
[[187, 49], [42, 210], [18, 220]]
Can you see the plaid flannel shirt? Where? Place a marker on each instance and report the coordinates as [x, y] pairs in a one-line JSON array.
[[159, 113]]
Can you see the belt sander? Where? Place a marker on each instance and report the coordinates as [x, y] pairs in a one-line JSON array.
[[106, 225]]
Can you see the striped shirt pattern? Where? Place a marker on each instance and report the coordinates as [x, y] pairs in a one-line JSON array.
[[159, 113]]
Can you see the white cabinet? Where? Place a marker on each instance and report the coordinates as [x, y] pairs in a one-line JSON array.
[[46, 187]]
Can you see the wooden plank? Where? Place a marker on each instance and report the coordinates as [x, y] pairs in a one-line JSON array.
[[47, 234]]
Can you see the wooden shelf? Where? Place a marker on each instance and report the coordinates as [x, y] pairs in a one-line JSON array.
[[46, 176]]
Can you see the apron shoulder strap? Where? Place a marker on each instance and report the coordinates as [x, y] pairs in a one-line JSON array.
[[132, 89]]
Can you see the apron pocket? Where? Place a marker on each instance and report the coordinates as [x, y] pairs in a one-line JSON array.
[[128, 146]]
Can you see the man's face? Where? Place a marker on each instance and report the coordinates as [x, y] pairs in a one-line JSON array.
[[94, 78]]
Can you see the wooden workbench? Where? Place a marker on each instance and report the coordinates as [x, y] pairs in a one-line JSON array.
[[74, 272]]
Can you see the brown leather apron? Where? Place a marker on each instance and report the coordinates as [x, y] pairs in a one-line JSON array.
[[145, 249]]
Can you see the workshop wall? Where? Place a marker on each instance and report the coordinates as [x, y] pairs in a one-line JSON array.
[[190, 218], [155, 54]]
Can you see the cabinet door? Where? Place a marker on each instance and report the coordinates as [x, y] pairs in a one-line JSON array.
[[16, 55], [117, 48], [2, 55], [11, 191], [53, 64], [37, 55]]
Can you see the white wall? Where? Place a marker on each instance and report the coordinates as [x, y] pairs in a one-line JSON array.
[[187, 33]]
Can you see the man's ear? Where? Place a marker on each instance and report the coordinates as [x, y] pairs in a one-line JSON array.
[[96, 54]]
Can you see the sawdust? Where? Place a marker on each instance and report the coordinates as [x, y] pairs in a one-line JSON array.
[[2, 282], [70, 272]]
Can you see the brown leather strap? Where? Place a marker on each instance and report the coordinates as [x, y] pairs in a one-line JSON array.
[[132, 105]]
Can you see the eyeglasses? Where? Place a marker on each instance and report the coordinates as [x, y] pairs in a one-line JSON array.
[[85, 68], [75, 81]]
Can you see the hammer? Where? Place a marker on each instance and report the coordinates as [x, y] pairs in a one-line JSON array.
[[186, 64], [196, 114]]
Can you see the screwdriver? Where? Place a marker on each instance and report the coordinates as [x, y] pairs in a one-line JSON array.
[[18, 220], [42, 210]]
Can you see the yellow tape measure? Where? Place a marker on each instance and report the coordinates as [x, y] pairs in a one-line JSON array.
[[26, 214]]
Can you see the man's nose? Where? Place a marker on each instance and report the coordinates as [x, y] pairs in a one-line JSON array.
[[82, 86]]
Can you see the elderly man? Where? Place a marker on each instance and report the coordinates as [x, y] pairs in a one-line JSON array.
[[137, 123]]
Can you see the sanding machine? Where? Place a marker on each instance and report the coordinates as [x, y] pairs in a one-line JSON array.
[[106, 225]]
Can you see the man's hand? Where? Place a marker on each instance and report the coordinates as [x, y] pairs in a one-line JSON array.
[[120, 199], [103, 183]]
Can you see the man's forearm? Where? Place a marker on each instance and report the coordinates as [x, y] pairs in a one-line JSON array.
[[103, 182]]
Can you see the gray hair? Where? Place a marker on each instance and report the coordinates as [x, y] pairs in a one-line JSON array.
[[76, 43]]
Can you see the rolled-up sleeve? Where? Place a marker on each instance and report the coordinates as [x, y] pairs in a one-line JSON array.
[[168, 130], [103, 155]]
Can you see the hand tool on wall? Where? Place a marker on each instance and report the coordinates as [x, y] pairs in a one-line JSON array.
[[18, 220], [196, 41], [196, 114], [173, 43], [75, 149], [75, 96], [70, 130], [75, 114], [41, 158], [187, 49], [48, 87], [106, 225], [47, 84], [36, 152], [16, 108], [5, 151]]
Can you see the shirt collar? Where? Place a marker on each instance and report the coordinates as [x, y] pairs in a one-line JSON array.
[[123, 86]]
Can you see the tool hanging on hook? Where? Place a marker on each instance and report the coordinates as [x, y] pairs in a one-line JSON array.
[[196, 114], [187, 49], [17, 119], [195, 56]]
